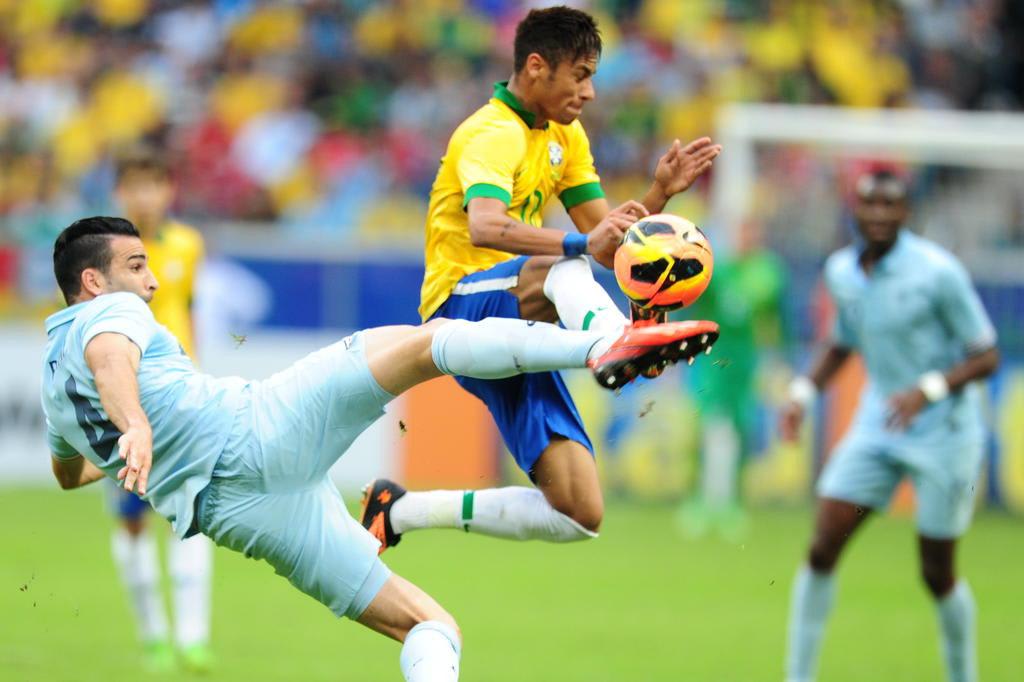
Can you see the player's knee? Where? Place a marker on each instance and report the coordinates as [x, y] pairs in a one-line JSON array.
[[590, 519], [558, 271], [438, 615], [134, 525], [588, 514], [822, 556], [939, 579]]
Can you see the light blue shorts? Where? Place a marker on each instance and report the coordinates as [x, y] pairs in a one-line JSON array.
[[270, 497], [866, 468]]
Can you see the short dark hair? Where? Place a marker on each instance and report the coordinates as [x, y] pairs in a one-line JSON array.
[[85, 244], [142, 159], [557, 34]]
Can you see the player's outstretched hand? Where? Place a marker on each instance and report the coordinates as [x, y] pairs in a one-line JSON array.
[[790, 421], [136, 448], [604, 240], [681, 166], [903, 407]]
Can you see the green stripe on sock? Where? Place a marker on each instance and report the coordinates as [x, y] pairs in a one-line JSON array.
[[467, 509], [587, 319]]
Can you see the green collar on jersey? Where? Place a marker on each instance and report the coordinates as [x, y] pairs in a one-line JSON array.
[[505, 96]]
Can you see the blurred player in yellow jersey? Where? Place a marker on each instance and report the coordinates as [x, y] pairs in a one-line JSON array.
[[489, 255], [144, 193]]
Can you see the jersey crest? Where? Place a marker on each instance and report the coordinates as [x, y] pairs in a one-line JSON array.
[[555, 154]]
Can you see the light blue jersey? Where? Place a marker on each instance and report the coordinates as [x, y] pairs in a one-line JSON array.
[[191, 414], [916, 312]]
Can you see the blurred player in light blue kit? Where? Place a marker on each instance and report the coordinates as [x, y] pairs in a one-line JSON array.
[[908, 307], [246, 462], [144, 193]]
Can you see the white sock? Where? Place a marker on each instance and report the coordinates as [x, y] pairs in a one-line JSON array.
[[191, 567], [136, 561], [431, 653], [813, 594], [495, 348], [720, 463], [956, 624], [581, 302], [514, 512]]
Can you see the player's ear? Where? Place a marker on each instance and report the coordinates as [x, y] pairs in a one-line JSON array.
[[93, 282], [536, 66]]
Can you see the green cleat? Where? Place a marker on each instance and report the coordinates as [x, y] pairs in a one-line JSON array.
[[733, 523], [158, 657], [197, 658], [694, 518]]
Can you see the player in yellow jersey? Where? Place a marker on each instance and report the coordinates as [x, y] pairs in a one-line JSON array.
[[145, 192], [488, 255]]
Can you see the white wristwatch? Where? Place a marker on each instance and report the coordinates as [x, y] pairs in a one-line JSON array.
[[934, 386]]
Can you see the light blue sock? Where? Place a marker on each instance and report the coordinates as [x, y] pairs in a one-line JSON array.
[[813, 594], [956, 624], [495, 348], [431, 653]]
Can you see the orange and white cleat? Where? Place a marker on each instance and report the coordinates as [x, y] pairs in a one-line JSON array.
[[378, 496], [652, 345]]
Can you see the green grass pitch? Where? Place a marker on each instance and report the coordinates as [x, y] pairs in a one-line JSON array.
[[638, 604]]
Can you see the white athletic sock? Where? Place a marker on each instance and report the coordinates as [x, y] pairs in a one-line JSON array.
[[495, 348], [514, 512], [191, 567], [431, 653], [581, 302], [813, 594], [956, 624], [720, 463], [136, 561]]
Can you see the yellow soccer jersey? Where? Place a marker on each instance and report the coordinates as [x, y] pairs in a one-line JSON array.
[[497, 153], [174, 258]]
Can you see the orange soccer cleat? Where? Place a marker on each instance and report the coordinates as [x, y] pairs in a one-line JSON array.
[[378, 496], [646, 346]]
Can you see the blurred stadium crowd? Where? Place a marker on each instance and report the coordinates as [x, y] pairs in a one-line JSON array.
[[311, 113]]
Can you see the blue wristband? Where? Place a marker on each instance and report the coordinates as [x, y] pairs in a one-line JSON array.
[[574, 244]]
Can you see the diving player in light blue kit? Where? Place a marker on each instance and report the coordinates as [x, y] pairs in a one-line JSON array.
[[908, 307], [246, 462]]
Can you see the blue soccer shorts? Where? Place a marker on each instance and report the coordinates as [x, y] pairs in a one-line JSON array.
[[529, 409], [270, 497], [865, 469], [125, 505]]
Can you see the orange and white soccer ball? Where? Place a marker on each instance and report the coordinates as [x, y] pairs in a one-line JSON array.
[[664, 263]]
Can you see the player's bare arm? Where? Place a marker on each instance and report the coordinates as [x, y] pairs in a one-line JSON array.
[[490, 226], [824, 368], [904, 406], [114, 361], [75, 472], [678, 169]]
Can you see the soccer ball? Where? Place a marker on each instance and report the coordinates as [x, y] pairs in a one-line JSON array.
[[664, 262]]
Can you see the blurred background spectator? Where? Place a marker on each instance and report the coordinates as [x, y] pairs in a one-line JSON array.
[[328, 116]]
